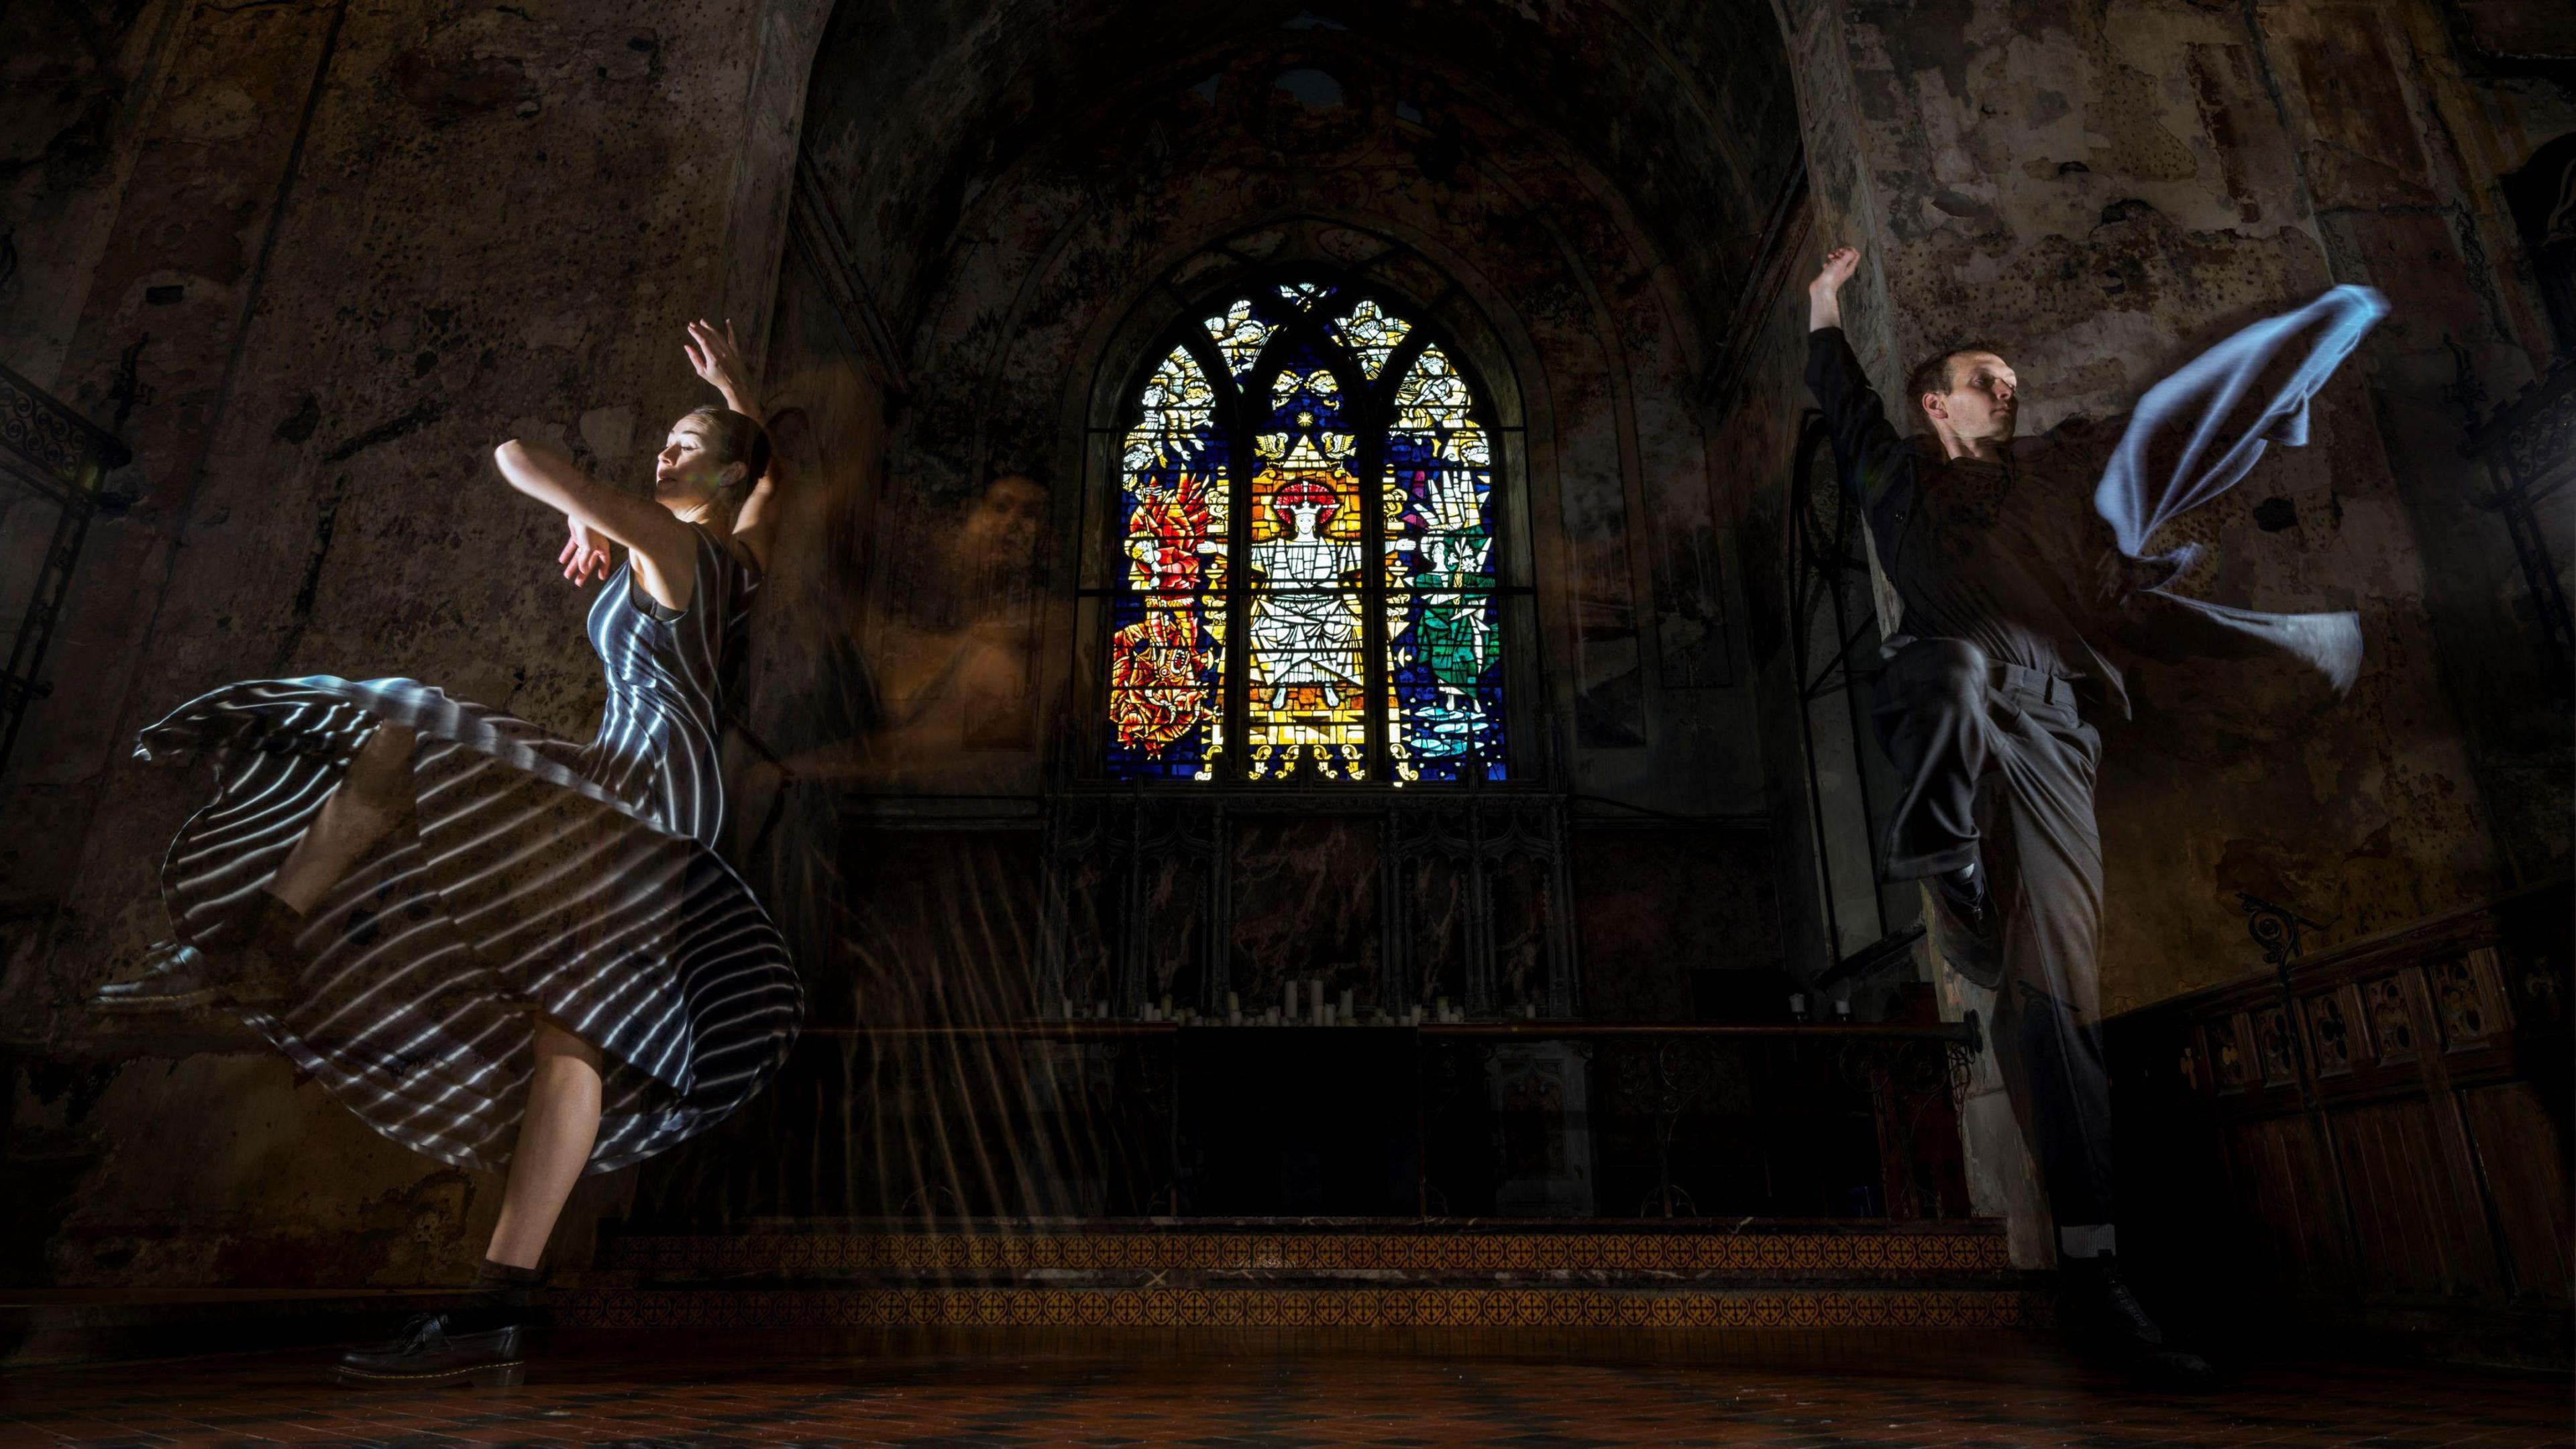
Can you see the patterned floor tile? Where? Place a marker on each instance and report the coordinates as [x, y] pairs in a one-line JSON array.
[[599, 1390]]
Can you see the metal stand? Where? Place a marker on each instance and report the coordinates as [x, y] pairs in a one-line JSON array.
[[63, 458]]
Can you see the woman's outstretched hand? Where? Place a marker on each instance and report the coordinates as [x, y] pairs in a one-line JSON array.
[[716, 358], [584, 556]]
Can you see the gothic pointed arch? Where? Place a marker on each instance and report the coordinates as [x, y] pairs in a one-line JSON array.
[[1308, 581]]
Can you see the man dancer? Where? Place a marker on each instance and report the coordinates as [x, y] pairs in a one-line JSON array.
[[2011, 563]]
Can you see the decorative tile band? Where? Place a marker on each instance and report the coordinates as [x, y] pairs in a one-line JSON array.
[[1296, 1308], [1220, 1252]]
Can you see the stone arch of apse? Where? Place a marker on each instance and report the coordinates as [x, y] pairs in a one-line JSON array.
[[1089, 377], [1532, 366], [791, 35]]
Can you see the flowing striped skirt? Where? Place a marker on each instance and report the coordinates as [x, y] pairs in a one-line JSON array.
[[518, 886]]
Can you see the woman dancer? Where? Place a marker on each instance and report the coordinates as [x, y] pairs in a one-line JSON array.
[[501, 949]]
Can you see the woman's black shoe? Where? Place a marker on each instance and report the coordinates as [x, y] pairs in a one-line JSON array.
[[256, 968], [427, 1354], [179, 977]]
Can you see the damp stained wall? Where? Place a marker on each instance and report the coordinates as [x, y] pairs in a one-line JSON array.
[[367, 243], [2102, 190]]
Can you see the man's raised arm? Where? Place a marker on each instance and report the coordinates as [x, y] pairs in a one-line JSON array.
[[1867, 448]]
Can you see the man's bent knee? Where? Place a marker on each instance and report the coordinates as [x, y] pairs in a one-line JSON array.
[[1945, 671]]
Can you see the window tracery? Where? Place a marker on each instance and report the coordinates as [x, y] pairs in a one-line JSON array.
[[1307, 516]]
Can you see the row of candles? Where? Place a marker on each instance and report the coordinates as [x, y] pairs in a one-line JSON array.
[[1303, 1003], [1798, 1007]]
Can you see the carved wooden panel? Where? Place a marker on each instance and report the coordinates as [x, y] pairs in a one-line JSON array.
[[2284, 1193], [1396, 899], [2415, 1241], [2469, 1003], [2275, 1048], [2520, 1154], [2330, 1021], [2394, 1117], [2231, 1052], [2393, 1038]]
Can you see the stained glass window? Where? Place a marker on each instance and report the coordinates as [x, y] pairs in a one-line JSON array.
[[1167, 657], [1309, 577]]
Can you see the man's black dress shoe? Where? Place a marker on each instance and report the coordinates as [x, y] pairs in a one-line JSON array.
[[2103, 1307], [1972, 935], [429, 1354]]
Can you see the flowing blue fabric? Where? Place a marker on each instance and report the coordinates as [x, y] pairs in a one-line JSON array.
[[2195, 435]]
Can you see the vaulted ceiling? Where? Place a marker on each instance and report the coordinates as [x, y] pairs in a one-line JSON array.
[[1679, 112]]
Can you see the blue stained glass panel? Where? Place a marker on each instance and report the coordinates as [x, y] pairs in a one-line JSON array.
[[1445, 685], [1443, 617]]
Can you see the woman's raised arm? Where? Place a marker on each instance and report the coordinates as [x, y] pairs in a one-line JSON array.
[[717, 359], [663, 544]]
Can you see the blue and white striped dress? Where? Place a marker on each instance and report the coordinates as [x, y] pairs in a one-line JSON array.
[[536, 874]]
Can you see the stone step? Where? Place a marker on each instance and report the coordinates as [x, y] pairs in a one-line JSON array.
[[1657, 1250], [2010, 1304]]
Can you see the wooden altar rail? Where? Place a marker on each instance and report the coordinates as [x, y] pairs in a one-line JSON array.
[[1965, 1034], [1661, 1089]]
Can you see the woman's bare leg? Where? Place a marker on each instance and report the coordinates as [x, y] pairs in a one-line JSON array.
[[370, 800], [554, 1144]]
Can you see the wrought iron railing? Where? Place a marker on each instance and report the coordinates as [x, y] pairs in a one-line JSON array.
[[1520, 1118], [61, 458], [2530, 448]]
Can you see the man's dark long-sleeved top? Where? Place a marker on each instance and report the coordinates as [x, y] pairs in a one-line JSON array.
[[1999, 554], [2014, 556]]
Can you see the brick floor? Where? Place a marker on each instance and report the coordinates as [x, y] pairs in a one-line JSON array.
[[736, 1390]]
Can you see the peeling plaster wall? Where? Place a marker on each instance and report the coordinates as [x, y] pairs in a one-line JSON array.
[[66, 148], [369, 242], [398, 234], [2105, 189]]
